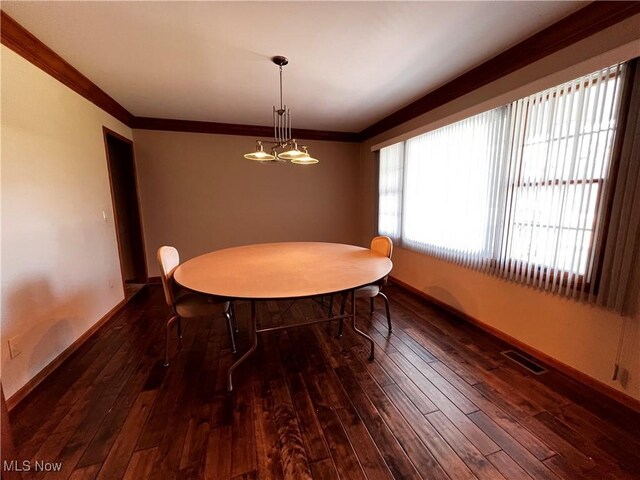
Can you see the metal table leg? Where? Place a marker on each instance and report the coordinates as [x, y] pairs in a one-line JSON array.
[[253, 327], [353, 323]]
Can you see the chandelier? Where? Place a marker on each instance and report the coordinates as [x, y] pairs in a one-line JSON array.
[[282, 147]]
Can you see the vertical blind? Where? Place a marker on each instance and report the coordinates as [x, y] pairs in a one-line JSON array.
[[390, 190], [621, 240], [451, 184], [518, 191], [557, 180]]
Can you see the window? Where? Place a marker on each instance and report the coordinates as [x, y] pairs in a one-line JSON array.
[[518, 190], [390, 190], [557, 193], [448, 193]]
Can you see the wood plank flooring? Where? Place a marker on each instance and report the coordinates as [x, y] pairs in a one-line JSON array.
[[438, 402]]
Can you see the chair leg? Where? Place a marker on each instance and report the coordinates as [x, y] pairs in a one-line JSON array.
[[253, 336], [343, 305], [232, 312], [372, 305], [330, 305], [180, 329], [386, 305], [230, 327], [172, 319]]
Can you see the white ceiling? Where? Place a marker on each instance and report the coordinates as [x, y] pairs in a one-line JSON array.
[[351, 63]]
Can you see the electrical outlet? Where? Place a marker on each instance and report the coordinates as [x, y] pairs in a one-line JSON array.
[[15, 346], [104, 216]]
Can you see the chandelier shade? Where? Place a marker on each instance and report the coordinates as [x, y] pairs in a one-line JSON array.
[[304, 159], [291, 151], [283, 147], [259, 155]]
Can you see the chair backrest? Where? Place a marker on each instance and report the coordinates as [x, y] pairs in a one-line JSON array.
[[168, 259], [383, 245]]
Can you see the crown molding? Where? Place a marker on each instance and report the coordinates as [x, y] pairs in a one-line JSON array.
[[24, 43], [579, 25], [17, 38], [585, 22], [172, 125]]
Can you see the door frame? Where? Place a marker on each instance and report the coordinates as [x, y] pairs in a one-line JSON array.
[[107, 132]]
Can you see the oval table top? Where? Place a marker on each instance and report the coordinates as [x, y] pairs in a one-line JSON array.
[[282, 270]]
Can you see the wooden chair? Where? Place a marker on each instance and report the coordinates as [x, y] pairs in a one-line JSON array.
[[383, 245], [186, 304]]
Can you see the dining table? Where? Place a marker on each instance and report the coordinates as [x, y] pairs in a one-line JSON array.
[[284, 271]]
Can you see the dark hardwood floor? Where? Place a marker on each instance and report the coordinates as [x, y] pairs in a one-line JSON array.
[[438, 402]]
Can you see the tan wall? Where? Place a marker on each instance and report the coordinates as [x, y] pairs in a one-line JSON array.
[[60, 267], [199, 194], [581, 336]]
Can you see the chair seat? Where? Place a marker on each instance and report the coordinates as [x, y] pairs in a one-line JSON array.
[[192, 305], [368, 291]]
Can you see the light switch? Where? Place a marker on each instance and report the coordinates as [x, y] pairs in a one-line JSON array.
[[15, 347]]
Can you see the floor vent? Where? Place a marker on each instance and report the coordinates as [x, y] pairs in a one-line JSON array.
[[524, 362]]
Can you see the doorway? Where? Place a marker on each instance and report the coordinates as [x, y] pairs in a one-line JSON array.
[[126, 211]]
